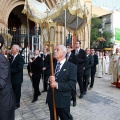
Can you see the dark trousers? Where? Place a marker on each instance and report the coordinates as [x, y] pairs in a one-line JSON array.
[[85, 82], [80, 82], [92, 79], [73, 94], [17, 92], [45, 82], [62, 113], [7, 115], [36, 82]]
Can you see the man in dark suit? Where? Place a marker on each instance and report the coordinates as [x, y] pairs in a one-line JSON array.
[[87, 69], [7, 99], [34, 71], [16, 66], [70, 57], [62, 83], [93, 68], [46, 68], [81, 55]]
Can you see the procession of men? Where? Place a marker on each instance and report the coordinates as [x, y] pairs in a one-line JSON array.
[[71, 67]]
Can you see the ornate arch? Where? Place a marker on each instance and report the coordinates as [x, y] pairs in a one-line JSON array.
[[11, 6]]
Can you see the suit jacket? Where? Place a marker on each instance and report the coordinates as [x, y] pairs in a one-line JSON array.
[[81, 59], [73, 59], [89, 63], [46, 63], [93, 68], [16, 68], [66, 82], [36, 67], [7, 99]]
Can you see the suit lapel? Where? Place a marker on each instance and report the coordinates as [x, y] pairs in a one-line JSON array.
[[70, 57], [14, 59], [87, 57], [63, 70]]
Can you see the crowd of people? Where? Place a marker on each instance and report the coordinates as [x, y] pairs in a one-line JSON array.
[[71, 66]]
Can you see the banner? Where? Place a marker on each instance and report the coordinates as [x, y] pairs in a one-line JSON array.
[[117, 35]]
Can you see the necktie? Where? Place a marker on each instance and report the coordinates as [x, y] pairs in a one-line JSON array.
[[44, 56], [67, 57], [76, 52], [57, 70], [13, 59]]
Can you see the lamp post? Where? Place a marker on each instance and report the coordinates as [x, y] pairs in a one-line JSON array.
[[14, 30], [69, 39], [48, 31]]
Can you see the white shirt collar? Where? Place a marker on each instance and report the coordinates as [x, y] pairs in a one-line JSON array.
[[69, 54], [36, 56], [62, 62], [78, 49], [15, 55]]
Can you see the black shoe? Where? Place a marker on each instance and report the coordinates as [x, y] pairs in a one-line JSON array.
[[81, 96], [44, 91], [17, 106], [84, 93], [74, 103], [89, 88], [34, 101]]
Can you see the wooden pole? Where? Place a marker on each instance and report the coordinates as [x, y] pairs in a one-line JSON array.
[[65, 29], [52, 73]]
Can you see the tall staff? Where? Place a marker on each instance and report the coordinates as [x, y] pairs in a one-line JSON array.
[[48, 31]]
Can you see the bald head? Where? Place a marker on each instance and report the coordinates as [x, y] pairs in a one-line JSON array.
[[60, 52], [3, 52], [117, 50], [15, 49]]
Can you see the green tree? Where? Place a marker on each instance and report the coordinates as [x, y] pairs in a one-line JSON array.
[[107, 35], [95, 24]]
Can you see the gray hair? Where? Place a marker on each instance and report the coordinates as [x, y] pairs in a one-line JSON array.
[[63, 48], [17, 47]]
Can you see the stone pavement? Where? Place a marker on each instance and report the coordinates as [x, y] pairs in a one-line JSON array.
[[100, 103]]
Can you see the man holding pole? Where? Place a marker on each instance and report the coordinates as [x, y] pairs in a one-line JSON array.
[[63, 82]]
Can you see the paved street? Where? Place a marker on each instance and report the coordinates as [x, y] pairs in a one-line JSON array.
[[100, 103]]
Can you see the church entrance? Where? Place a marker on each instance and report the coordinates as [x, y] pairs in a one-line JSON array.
[[18, 28]]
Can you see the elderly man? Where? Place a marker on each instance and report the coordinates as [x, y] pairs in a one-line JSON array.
[[35, 70], [63, 82], [7, 100], [114, 66], [4, 53], [16, 66]]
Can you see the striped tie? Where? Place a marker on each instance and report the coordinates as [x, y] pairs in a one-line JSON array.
[[57, 70], [67, 57]]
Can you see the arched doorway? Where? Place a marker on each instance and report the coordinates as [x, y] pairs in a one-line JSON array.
[[17, 25]]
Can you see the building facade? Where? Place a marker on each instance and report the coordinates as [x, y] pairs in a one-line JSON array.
[[14, 25]]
